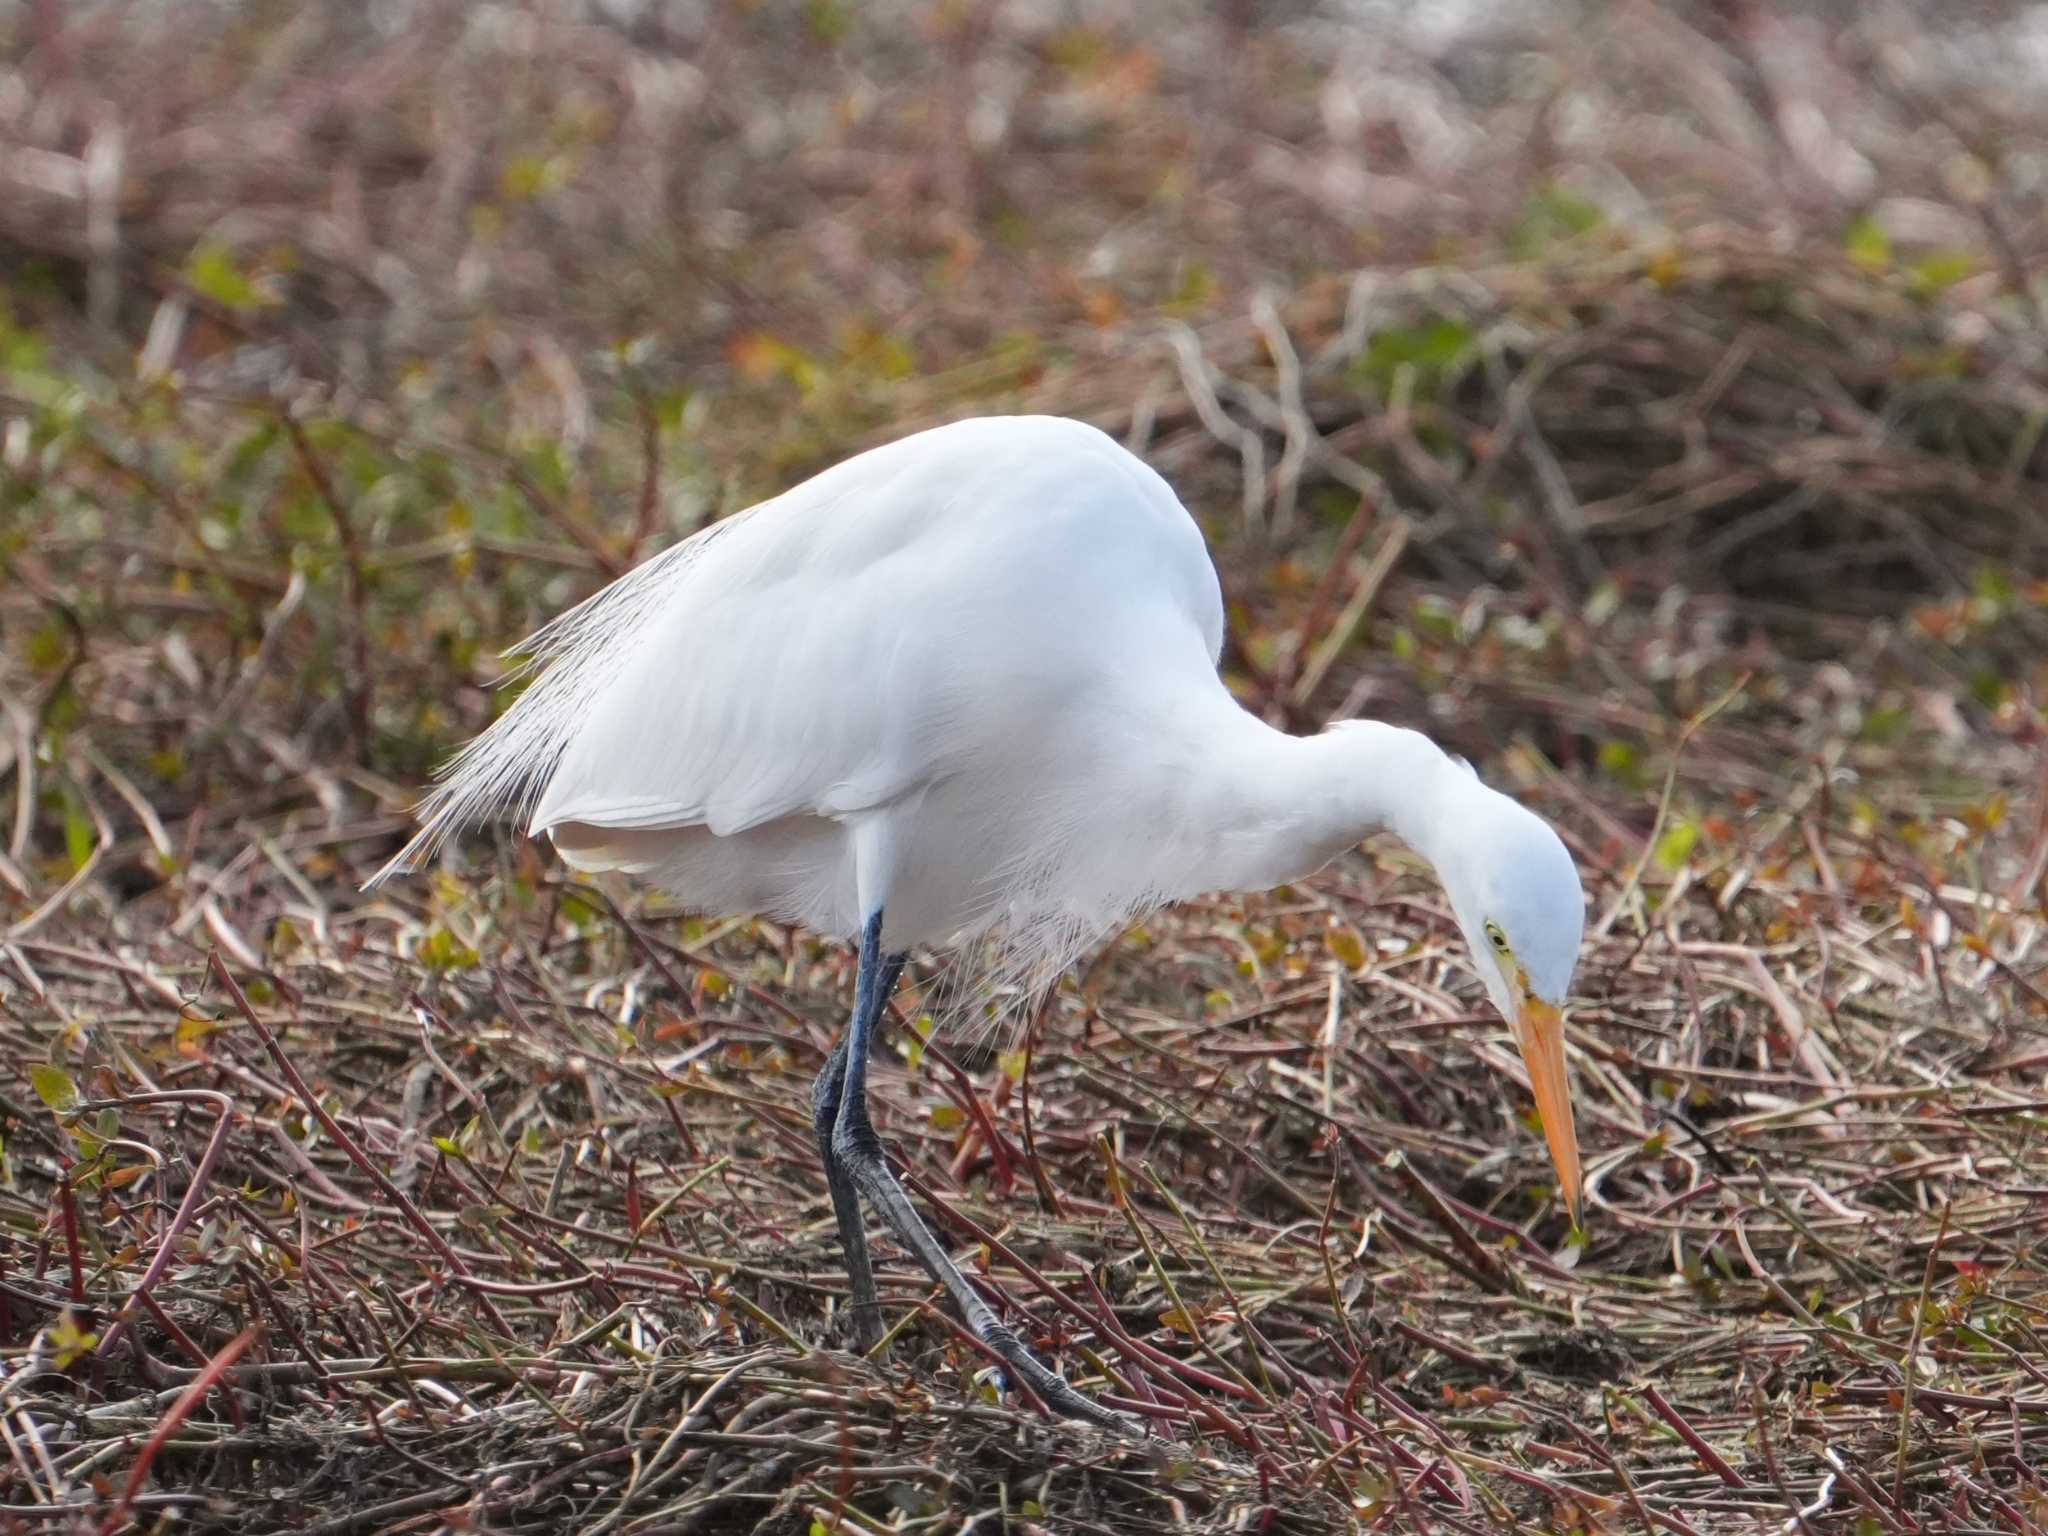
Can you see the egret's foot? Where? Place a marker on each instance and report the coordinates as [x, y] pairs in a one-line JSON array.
[[859, 1151], [1053, 1389], [855, 1166]]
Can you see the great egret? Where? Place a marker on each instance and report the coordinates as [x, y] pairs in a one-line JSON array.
[[964, 685]]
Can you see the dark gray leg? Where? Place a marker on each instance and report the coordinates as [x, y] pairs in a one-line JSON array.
[[853, 1236], [858, 1151]]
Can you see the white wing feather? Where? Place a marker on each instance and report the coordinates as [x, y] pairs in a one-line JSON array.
[[839, 647]]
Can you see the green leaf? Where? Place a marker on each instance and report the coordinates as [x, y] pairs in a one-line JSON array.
[[1867, 244], [1621, 760], [442, 951], [948, 1117], [1553, 214], [1885, 723], [1193, 289], [79, 837], [1677, 844], [1993, 591], [68, 1342], [1345, 944], [1434, 351], [1937, 270], [212, 272], [54, 1086], [49, 647], [828, 21], [1990, 688], [524, 178]]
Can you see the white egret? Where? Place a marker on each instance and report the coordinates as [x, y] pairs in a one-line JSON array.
[[964, 685]]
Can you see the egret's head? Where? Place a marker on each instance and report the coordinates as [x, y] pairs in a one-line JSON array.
[[1518, 901]]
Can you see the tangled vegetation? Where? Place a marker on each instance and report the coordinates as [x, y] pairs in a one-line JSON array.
[[1650, 409]]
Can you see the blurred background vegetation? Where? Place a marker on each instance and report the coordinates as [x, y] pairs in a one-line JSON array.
[[382, 332], [1547, 375]]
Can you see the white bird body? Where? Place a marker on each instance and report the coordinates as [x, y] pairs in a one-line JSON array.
[[1038, 743], [1044, 603], [965, 685]]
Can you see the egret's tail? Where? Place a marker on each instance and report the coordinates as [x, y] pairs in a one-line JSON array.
[[507, 768]]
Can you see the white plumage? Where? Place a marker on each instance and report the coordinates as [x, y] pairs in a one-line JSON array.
[[966, 683], [935, 644]]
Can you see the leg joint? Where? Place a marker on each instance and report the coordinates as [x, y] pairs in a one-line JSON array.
[[854, 1139]]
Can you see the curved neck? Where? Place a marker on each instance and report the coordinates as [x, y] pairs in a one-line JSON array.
[[1276, 807]]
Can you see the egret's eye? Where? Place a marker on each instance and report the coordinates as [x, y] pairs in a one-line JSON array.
[[1496, 938]]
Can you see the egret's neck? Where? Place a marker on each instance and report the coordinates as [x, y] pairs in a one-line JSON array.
[[1280, 807]]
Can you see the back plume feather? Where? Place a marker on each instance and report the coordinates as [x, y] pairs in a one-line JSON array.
[[507, 767]]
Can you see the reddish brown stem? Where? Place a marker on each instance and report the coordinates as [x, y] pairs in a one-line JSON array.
[[178, 1413], [195, 1192], [342, 1139], [68, 1201], [1709, 1457]]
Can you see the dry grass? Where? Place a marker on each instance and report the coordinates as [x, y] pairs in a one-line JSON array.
[[1691, 480]]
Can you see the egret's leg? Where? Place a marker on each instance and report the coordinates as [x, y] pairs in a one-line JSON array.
[[859, 1151], [853, 1235]]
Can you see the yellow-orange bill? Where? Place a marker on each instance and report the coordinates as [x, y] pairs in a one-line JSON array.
[[1540, 1033]]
